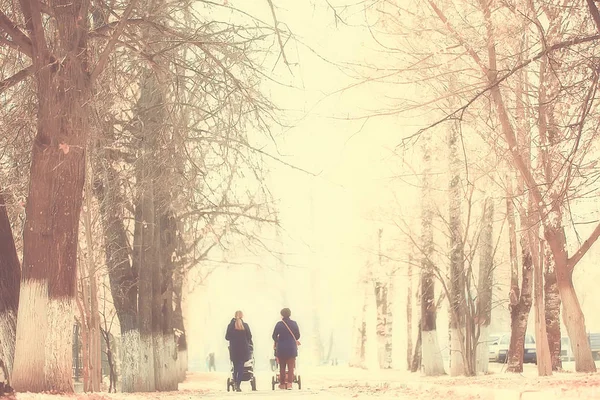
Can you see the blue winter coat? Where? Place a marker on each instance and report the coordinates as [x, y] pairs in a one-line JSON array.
[[286, 343], [239, 342]]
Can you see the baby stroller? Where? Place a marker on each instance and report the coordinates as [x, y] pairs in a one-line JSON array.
[[275, 379], [247, 375]]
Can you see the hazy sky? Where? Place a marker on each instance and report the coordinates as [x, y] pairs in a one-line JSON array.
[[329, 221]]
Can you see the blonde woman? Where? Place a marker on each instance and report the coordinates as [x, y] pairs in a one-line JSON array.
[[240, 338]]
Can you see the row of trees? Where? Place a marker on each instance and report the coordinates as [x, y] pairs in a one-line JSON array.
[[138, 113], [512, 88]]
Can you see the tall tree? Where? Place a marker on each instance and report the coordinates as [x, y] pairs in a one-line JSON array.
[[520, 297], [433, 364], [409, 312], [10, 274], [63, 79], [457, 273], [383, 295], [485, 286]]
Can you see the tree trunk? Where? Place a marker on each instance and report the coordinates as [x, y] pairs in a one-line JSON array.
[[552, 307], [43, 356], [10, 276], [520, 299], [520, 313], [122, 275], [418, 356], [409, 311], [144, 246], [112, 373], [433, 363], [544, 364], [485, 287], [384, 312], [389, 325], [457, 281], [572, 314], [167, 248], [363, 334], [92, 325], [178, 325]]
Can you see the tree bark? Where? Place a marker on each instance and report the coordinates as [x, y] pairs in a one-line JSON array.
[[520, 299], [457, 281], [544, 363], [573, 317], [409, 311], [90, 292], [384, 312], [418, 355], [43, 357], [122, 275], [10, 276], [485, 287], [552, 307], [144, 247], [179, 326], [433, 364]]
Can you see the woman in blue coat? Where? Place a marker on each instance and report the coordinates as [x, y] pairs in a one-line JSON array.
[[286, 336], [240, 338]]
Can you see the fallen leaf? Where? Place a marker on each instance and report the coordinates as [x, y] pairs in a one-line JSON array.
[[64, 147]]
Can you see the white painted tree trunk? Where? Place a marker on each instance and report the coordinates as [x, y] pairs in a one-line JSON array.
[[544, 362], [432, 361], [483, 349], [43, 354], [32, 327], [147, 380], [59, 345], [182, 362], [457, 364], [485, 288], [159, 362], [389, 326], [171, 371], [8, 323], [130, 360], [371, 353]]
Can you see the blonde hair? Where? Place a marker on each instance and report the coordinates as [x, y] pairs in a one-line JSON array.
[[239, 325]]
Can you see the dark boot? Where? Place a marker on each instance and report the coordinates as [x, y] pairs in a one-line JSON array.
[[237, 387]]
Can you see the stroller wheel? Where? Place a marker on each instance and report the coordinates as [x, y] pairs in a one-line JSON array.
[[229, 384], [299, 382], [253, 383], [273, 382]]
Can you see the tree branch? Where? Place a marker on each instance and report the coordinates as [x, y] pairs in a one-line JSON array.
[[461, 40], [112, 42], [16, 78], [571, 262], [595, 14], [278, 33], [511, 72], [18, 37], [33, 21]]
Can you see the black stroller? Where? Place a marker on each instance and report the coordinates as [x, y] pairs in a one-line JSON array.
[[247, 375]]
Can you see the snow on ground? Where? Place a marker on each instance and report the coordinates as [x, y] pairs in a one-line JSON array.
[[345, 383]]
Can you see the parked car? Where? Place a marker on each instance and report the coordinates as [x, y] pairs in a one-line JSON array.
[[499, 348]]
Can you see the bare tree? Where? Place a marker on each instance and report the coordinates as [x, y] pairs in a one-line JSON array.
[[10, 273], [432, 357], [485, 286]]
